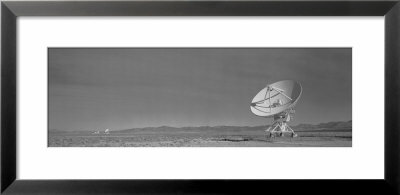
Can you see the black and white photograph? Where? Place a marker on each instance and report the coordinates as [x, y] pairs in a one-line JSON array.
[[199, 97]]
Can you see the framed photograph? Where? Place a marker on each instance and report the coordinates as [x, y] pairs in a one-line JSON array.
[[199, 97]]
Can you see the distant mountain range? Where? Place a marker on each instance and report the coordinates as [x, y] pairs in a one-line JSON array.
[[339, 125], [329, 125]]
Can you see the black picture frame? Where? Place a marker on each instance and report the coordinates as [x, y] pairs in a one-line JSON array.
[[11, 10]]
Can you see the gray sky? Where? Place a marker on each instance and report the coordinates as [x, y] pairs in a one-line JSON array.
[[92, 89]]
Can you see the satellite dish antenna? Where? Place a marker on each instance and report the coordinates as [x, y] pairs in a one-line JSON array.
[[277, 101]]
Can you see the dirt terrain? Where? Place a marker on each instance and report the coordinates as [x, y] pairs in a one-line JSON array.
[[201, 137]]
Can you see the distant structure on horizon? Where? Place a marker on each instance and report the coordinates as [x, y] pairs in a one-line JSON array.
[[107, 131]]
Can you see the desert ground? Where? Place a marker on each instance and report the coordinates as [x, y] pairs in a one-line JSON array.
[[201, 137]]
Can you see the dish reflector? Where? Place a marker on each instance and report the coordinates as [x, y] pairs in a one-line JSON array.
[[276, 98]]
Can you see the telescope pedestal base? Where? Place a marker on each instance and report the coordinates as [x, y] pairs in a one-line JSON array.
[[279, 128]]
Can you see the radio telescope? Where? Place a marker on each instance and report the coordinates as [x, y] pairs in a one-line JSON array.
[[277, 101]]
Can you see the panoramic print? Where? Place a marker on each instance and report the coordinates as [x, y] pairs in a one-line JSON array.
[[199, 97]]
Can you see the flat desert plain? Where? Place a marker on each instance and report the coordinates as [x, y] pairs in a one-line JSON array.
[[222, 136]]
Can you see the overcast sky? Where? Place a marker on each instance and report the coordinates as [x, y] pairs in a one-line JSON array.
[[95, 89]]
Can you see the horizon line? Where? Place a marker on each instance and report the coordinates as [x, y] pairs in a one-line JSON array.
[[53, 129]]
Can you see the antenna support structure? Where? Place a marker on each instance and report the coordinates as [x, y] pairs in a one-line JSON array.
[[280, 125]]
